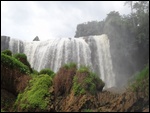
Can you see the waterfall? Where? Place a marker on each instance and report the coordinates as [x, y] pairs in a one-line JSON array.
[[56, 52], [92, 51], [104, 60]]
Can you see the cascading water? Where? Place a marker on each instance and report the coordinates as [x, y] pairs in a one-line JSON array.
[[104, 60], [56, 52]]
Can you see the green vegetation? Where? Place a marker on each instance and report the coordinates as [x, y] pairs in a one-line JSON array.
[[142, 81], [86, 81], [77, 87], [22, 58], [70, 65], [131, 30], [20, 55], [35, 72], [14, 63], [48, 72], [93, 83], [2, 110], [36, 94], [7, 52], [83, 69], [87, 110]]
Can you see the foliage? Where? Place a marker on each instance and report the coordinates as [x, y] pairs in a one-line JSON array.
[[7, 52], [20, 55], [2, 110], [90, 28], [48, 72], [93, 83], [142, 81], [83, 69], [14, 63], [70, 65], [77, 87], [22, 58], [35, 95], [86, 81], [132, 29], [35, 72], [32, 75], [87, 110]]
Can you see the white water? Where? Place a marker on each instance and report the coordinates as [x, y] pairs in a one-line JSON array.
[[104, 60], [56, 52]]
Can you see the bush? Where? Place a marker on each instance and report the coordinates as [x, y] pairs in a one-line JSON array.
[[86, 81], [22, 58], [2, 110], [70, 65], [87, 110], [77, 87], [48, 72], [7, 52], [20, 55], [35, 72], [35, 95], [13, 63], [83, 69], [141, 83]]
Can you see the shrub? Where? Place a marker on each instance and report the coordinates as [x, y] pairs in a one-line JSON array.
[[22, 58], [2, 110], [47, 71], [20, 55], [70, 65], [7, 52], [35, 72], [141, 83], [35, 95], [77, 87], [13, 63], [86, 81], [83, 69], [87, 110]]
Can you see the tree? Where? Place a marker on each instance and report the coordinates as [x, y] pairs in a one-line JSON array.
[[130, 3]]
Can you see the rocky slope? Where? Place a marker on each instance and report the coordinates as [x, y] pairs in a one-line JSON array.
[[69, 90]]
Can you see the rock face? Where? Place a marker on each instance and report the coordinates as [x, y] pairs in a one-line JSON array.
[[12, 79], [36, 39], [126, 102], [61, 94]]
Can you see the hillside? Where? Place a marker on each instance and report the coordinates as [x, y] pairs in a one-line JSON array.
[[70, 89]]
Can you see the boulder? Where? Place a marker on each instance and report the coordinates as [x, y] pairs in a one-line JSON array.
[[36, 39]]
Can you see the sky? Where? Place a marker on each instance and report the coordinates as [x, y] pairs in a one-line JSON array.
[[25, 20]]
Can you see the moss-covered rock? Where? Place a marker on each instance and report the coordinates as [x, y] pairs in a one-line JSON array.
[[48, 72], [23, 58], [7, 52], [13, 63], [86, 81], [35, 96], [14, 74]]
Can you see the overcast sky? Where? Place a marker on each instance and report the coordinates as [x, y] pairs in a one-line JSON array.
[[52, 19]]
